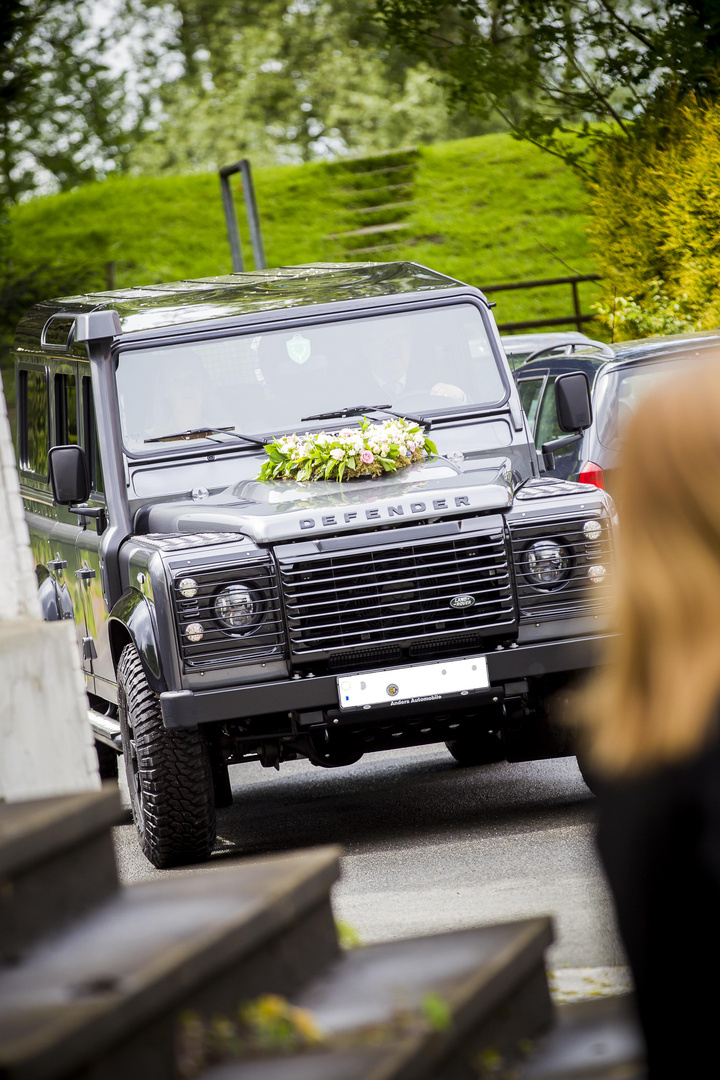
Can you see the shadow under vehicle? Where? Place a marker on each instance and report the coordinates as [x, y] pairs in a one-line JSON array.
[[221, 619], [618, 382]]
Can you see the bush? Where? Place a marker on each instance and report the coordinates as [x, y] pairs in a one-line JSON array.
[[656, 223], [658, 314]]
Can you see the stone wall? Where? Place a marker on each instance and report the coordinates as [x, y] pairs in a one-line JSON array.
[[46, 743]]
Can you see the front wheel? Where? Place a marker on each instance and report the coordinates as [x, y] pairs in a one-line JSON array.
[[169, 774], [588, 772]]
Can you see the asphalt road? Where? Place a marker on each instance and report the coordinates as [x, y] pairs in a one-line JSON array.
[[429, 846]]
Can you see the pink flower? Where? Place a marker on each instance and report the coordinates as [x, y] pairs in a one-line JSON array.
[[367, 457], [411, 447]]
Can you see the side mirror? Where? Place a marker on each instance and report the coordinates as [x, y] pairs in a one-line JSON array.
[[574, 413], [69, 475], [572, 401]]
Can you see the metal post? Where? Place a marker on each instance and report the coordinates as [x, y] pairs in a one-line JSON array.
[[253, 216], [238, 263], [576, 304]]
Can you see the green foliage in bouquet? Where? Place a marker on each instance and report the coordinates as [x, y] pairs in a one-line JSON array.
[[370, 450]]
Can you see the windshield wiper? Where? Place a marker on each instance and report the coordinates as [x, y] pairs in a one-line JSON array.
[[191, 432], [357, 410]]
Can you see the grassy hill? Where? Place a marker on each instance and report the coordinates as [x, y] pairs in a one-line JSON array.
[[486, 210]]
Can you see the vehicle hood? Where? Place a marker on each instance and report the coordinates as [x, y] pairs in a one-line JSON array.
[[290, 510]]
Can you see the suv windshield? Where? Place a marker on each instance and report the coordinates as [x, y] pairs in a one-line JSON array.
[[434, 360]]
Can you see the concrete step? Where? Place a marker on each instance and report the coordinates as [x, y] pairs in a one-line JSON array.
[[355, 197], [370, 230], [371, 1005], [57, 862], [382, 208], [598, 1039], [383, 160], [101, 999], [352, 252], [357, 180], [590, 1040]]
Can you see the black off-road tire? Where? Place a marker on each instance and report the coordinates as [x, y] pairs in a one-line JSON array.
[[108, 760], [169, 774], [477, 748], [587, 771]]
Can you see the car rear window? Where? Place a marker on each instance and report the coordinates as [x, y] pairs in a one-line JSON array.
[[618, 394]]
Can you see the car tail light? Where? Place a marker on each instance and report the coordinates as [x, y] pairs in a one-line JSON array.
[[591, 473]]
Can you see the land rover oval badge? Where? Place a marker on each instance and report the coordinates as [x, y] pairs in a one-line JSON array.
[[462, 602]]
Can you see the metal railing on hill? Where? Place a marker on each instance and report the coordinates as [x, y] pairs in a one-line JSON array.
[[576, 319]]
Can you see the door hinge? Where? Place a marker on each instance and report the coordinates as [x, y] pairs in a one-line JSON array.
[[89, 652]]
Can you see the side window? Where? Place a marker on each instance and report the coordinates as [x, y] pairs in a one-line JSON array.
[[90, 438], [547, 426], [33, 420], [66, 426], [530, 391]]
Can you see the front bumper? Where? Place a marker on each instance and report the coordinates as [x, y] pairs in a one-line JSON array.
[[188, 708]]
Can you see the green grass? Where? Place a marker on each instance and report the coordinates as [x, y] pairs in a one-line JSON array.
[[492, 210], [486, 210]]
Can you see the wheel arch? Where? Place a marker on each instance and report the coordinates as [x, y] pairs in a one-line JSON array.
[[132, 622]]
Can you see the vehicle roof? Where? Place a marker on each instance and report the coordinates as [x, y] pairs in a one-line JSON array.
[[670, 347], [173, 305], [577, 361], [530, 342]]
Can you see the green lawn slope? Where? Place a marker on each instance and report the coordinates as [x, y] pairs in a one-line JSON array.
[[486, 210]]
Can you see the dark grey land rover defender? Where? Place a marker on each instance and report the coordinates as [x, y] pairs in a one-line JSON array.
[[222, 619]]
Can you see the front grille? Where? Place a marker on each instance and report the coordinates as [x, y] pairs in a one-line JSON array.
[[219, 644], [400, 592], [579, 593]]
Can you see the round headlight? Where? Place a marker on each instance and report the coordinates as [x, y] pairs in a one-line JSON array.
[[235, 607], [188, 588], [592, 529], [546, 564]]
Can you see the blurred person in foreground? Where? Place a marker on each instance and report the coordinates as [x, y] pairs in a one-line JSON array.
[[652, 721]]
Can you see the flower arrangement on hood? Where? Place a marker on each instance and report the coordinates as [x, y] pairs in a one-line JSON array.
[[368, 450]]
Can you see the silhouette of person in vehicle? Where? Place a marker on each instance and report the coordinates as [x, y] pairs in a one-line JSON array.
[[392, 356], [182, 399]]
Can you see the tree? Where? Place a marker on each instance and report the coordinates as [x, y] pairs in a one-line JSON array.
[[597, 66], [289, 80], [63, 111], [655, 226]]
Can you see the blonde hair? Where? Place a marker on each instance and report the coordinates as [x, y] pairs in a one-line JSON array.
[[655, 699]]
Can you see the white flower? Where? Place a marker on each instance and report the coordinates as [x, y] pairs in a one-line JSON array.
[[338, 453]]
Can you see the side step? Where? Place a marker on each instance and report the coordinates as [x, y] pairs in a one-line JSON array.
[[106, 729]]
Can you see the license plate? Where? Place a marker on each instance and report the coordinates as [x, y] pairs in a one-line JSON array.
[[408, 685]]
